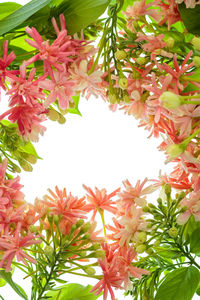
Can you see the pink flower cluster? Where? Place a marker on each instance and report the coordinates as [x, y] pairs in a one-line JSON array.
[[67, 62], [14, 231]]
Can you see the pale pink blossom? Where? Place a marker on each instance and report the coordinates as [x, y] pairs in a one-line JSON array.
[[188, 3], [60, 87], [193, 208], [139, 9]]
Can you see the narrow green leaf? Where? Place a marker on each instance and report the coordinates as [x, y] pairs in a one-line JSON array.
[[180, 284], [190, 17], [20, 15], [7, 276], [29, 148], [73, 291], [8, 8]]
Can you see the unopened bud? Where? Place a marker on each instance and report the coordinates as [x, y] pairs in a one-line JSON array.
[[112, 98], [85, 227], [157, 243], [141, 248], [25, 165], [146, 209], [79, 223], [89, 270], [170, 42], [140, 237], [175, 150], [168, 189], [123, 83], [141, 60], [196, 43], [30, 158], [95, 246], [53, 115], [32, 228], [61, 119], [48, 250], [173, 232], [120, 54], [170, 100], [196, 61], [98, 254]]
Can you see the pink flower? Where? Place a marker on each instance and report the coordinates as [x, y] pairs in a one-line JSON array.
[[140, 8], [126, 269], [188, 3], [28, 119], [169, 12], [4, 63], [131, 224], [25, 90], [133, 195], [51, 55], [69, 207], [12, 246], [60, 87], [99, 200], [193, 208], [84, 81], [111, 276]]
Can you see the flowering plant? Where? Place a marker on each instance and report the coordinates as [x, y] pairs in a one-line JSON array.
[[147, 63]]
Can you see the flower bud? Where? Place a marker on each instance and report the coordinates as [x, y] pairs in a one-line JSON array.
[[86, 237], [89, 270], [82, 253], [123, 83], [95, 246], [168, 189], [149, 251], [146, 209], [140, 237], [170, 100], [48, 250], [30, 158], [170, 42], [112, 98], [196, 43], [175, 150], [79, 223], [85, 227], [159, 200], [61, 119], [25, 165], [33, 228], [141, 60], [120, 54], [141, 248], [53, 115], [157, 243], [196, 61], [173, 232], [98, 254], [135, 74]]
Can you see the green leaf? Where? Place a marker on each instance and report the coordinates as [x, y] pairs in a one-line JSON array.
[[81, 13], [75, 109], [73, 291], [180, 284], [190, 17], [21, 15], [168, 252], [195, 242], [8, 8], [29, 149], [7, 276]]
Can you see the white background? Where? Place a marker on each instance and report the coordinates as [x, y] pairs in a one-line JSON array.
[[101, 149]]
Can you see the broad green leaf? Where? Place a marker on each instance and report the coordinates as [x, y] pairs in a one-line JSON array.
[[21, 15], [75, 109], [8, 8], [29, 148], [180, 284], [7, 276], [2, 282], [190, 17], [8, 124], [81, 13], [73, 291], [168, 252], [195, 242]]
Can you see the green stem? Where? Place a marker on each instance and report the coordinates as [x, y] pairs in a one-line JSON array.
[[101, 212]]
